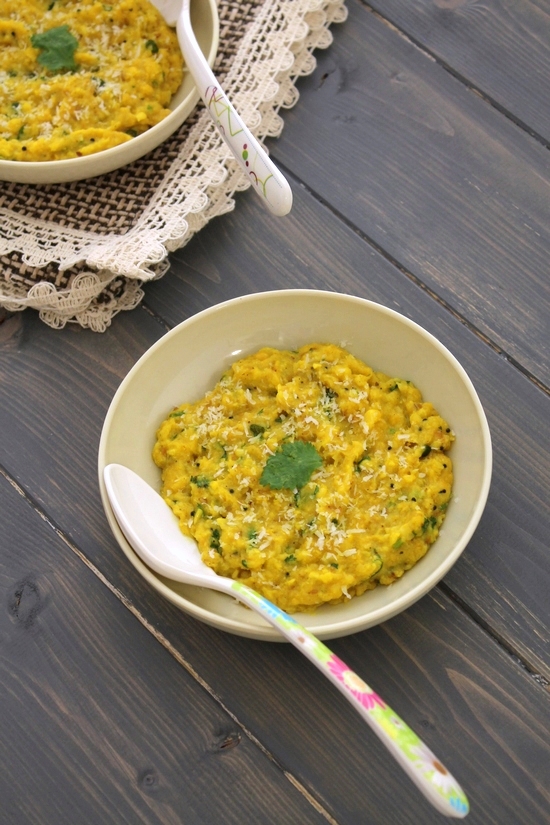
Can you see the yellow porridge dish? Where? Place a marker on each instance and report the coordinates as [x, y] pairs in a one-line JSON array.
[[80, 76], [308, 475]]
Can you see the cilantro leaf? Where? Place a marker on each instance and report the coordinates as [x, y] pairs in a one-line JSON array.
[[292, 466], [57, 49]]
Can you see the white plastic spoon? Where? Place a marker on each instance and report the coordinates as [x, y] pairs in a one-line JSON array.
[[154, 533], [267, 180]]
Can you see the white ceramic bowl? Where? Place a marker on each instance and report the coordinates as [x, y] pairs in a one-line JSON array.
[[188, 361], [204, 17]]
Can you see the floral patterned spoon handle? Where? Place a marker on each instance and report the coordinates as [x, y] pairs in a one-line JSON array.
[[416, 759], [267, 180], [269, 183], [153, 532]]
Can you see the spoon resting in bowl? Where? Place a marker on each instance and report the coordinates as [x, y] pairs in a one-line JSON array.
[[153, 531], [267, 180]]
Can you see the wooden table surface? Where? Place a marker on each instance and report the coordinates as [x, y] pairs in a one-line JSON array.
[[418, 155]]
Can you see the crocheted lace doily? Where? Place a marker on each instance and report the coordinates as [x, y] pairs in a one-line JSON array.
[[79, 252]]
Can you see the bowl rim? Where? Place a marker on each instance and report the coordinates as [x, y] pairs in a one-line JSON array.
[[329, 630], [69, 170]]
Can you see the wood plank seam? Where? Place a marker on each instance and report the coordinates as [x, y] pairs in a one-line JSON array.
[[518, 660], [168, 647], [414, 278], [510, 651], [155, 316], [457, 75]]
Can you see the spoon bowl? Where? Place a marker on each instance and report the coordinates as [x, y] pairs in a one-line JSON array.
[[152, 530]]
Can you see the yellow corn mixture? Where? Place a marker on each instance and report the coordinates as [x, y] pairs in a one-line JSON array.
[[120, 65], [375, 477]]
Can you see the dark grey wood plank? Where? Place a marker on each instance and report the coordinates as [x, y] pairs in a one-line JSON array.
[[55, 387], [434, 667], [502, 48], [440, 180], [100, 724], [315, 736], [72, 661], [504, 575]]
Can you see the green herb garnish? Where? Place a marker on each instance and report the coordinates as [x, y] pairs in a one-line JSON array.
[[292, 466], [200, 481], [152, 46], [215, 536], [357, 464], [257, 429], [58, 47], [429, 523]]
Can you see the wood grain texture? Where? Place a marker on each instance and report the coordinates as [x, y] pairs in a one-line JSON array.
[[435, 668], [442, 182], [118, 708], [504, 575], [74, 374], [99, 723], [95, 709], [502, 47]]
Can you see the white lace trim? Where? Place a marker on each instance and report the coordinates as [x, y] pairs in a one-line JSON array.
[[275, 51]]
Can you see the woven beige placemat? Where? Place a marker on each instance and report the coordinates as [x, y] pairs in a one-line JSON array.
[[79, 252]]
